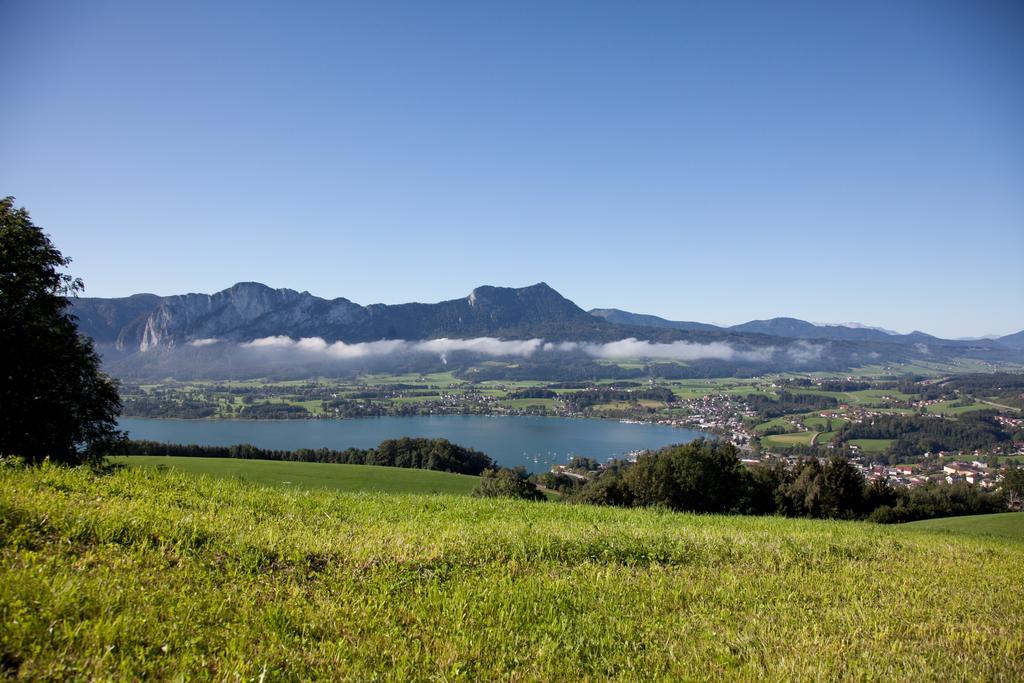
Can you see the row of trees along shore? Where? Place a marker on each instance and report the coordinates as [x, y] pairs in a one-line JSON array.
[[708, 477], [701, 476], [407, 452]]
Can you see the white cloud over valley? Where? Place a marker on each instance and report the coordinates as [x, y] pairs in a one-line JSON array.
[[631, 348]]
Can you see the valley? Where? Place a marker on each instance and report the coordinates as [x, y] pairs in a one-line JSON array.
[[775, 415]]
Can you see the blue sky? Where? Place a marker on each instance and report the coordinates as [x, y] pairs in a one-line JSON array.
[[712, 161]]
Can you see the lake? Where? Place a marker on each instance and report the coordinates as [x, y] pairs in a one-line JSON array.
[[534, 442]]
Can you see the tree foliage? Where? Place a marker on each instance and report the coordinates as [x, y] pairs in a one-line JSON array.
[[917, 434], [408, 452], [506, 483], [701, 476], [706, 476], [54, 400], [788, 402]]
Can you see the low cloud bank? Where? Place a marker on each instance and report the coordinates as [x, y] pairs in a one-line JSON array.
[[680, 350], [803, 352], [203, 342], [317, 348]]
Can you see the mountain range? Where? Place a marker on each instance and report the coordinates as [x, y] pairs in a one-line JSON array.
[[779, 327], [145, 326]]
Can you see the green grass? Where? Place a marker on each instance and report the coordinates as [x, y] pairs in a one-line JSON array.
[[1008, 525], [777, 422], [314, 406], [948, 408], [145, 574], [864, 397], [813, 422], [442, 379], [313, 475], [872, 445], [797, 439]]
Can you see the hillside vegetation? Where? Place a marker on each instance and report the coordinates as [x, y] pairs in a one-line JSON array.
[[146, 574], [315, 475], [1008, 525]]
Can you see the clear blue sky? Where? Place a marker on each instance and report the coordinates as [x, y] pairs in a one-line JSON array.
[[713, 161]]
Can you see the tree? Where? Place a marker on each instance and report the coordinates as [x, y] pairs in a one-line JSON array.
[[843, 488], [802, 495], [835, 490], [607, 488], [1013, 488], [761, 484], [54, 400], [701, 476], [506, 483]]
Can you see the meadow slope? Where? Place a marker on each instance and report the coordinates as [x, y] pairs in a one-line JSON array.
[[312, 475], [1007, 525], [149, 574]]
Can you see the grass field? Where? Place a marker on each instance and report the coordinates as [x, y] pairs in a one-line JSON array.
[[797, 439], [313, 475], [146, 574], [813, 422], [872, 445], [948, 408], [825, 437], [1008, 525], [776, 422]]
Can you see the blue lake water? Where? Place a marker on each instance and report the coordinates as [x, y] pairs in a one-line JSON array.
[[535, 442]]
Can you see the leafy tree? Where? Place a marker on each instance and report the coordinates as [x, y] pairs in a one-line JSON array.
[[608, 488], [843, 487], [879, 493], [701, 476], [1013, 488], [760, 488], [802, 496], [578, 462], [938, 500], [54, 401], [835, 490], [506, 483], [556, 482]]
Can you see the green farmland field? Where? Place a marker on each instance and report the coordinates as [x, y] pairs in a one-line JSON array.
[[1003, 525], [797, 439], [147, 574], [949, 408], [825, 437], [313, 475], [777, 422], [872, 445], [813, 422]]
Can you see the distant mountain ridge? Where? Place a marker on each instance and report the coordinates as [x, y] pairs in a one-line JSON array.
[[1012, 341], [250, 310], [619, 317], [146, 334], [794, 328]]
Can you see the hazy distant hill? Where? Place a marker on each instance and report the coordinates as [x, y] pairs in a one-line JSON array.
[[801, 329], [1012, 341], [620, 317], [793, 328]]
